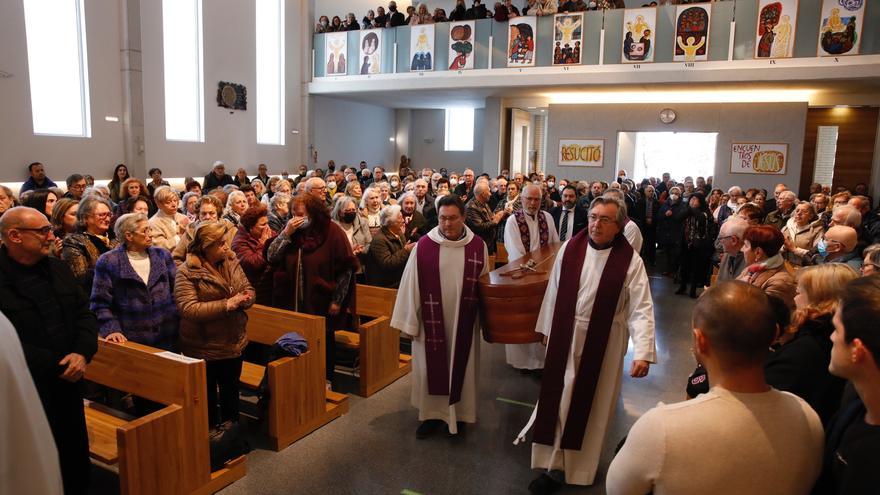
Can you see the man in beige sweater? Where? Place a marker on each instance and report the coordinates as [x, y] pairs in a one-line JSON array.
[[741, 437]]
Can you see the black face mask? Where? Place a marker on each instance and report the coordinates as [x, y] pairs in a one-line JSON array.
[[349, 217]]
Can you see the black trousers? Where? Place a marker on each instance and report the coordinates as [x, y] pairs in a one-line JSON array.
[[223, 374], [696, 263], [63, 404], [649, 248]]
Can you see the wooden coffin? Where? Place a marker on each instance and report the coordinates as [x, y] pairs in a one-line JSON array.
[[510, 298]]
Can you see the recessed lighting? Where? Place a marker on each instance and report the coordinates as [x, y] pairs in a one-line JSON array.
[[110, 118], [391, 139]]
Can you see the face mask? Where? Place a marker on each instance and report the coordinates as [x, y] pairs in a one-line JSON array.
[[822, 247], [551, 184], [453, 182], [349, 217], [394, 183], [426, 177], [306, 223], [674, 197], [331, 185], [324, 23]]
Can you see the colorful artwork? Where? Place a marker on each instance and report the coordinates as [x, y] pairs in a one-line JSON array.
[[421, 47], [581, 152], [759, 158], [461, 45], [638, 34], [371, 51], [692, 32], [840, 28], [521, 41], [777, 20], [335, 50], [568, 38]]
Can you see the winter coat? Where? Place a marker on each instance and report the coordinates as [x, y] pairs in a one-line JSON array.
[[670, 230], [144, 312], [207, 330], [250, 254], [81, 252], [386, 260], [164, 230]]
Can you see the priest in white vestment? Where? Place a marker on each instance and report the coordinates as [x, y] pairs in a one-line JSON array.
[[27, 446], [632, 316], [462, 258], [532, 225]]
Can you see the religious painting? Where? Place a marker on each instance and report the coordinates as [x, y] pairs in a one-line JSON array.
[[421, 47], [335, 53], [777, 20], [840, 27], [461, 45], [568, 38], [759, 158], [371, 51], [692, 32], [581, 152], [231, 95], [521, 41], [638, 32]]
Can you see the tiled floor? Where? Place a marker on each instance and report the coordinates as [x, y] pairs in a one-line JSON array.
[[373, 449]]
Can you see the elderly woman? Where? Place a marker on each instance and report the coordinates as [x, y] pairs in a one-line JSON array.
[[209, 211], [132, 295], [259, 188], [189, 206], [82, 249], [871, 260], [241, 178], [371, 206], [63, 221], [249, 245], [168, 224], [212, 294], [42, 200], [799, 361], [353, 189], [389, 250], [7, 199], [236, 205], [279, 211], [802, 233], [765, 267], [346, 215], [315, 268], [385, 194]]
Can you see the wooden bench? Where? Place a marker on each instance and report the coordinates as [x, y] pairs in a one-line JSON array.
[[378, 345], [500, 254], [299, 402], [166, 451]]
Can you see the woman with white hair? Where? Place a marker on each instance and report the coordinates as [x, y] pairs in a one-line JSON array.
[[279, 211], [345, 214], [371, 206], [168, 224], [389, 250], [132, 295], [189, 206], [236, 205], [385, 194]]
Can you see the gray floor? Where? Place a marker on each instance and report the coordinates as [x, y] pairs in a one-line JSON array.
[[373, 449]]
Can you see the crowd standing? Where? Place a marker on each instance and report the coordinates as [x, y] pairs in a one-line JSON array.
[[177, 270]]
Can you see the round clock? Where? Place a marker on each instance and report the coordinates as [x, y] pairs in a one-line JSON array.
[[667, 116]]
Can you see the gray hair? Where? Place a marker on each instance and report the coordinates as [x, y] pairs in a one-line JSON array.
[[735, 226], [340, 204], [872, 253], [191, 194], [367, 192], [788, 195], [388, 214], [281, 198], [313, 183], [162, 193], [607, 200], [481, 186], [852, 215], [128, 223], [87, 208], [233, 196], [228, 188], [407, 195], [735, 191]]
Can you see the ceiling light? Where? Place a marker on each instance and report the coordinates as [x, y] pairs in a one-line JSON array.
[[739, 96]]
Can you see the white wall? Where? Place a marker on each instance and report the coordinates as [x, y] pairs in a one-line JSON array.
[[229, 46], [431, 125], [348, 132], [61, 155]]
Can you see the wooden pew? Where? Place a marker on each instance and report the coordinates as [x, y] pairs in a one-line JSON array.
[[166, 451], [500, 254], [299, 402], [378, 345]]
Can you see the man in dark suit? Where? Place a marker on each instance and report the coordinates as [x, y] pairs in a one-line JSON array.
[[646, 213], [575, 217], [216, 178]]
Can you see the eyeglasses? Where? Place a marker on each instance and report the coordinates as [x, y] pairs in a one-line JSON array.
[[875, 266], [102, 215], [725, 237], [43, 231], [601, 220]]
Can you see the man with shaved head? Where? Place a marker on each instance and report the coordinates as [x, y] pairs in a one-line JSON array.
[[838, 245], [58, 333], [480, 218], [743, 436], [528, 229]]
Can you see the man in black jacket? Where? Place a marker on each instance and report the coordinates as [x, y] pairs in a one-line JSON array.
[[575, 217], [646, 213], [478, 11], [395, 18], [217, 178], [58, 333]]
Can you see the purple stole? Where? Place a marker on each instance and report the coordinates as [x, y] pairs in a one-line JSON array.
[[562, 333], [437, 360], [526, 235]]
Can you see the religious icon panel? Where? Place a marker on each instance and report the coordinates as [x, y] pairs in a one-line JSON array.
[[461, 45], [840, 27], [371, 51], [568, 38], [421, 47], [638, 35], [692, 32], [521, 41], [777, 21], [335, 53]]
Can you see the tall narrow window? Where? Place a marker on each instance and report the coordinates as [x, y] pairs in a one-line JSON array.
[[58, 67], [826, 154], [184, 81], [459, 129], [270, 71]]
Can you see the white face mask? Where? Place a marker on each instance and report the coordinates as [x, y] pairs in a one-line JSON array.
[[551, 184], [673, 197], [453, 182], [331, 185]]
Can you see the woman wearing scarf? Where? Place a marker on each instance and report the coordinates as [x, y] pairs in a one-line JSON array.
[[697, 246], [315, 269], [765, 267], [82, 249], [236, 205]]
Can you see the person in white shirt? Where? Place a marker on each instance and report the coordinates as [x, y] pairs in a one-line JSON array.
[[743, 436]]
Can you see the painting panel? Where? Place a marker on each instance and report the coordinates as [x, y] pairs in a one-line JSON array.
[[581, 152], [371, 51], [840, 27], [568, 39], [521, 41], [335, 53], [421, 48], [692, 32], [777, 22], [759, 158], [461, 45], [639, 26]]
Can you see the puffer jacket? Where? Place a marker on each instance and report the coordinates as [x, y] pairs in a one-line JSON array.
[[207, 330]]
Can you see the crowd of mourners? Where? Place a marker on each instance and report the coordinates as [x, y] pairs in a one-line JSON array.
[[176, 269]]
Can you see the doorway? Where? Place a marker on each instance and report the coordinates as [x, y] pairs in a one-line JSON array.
[[681, 154]]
